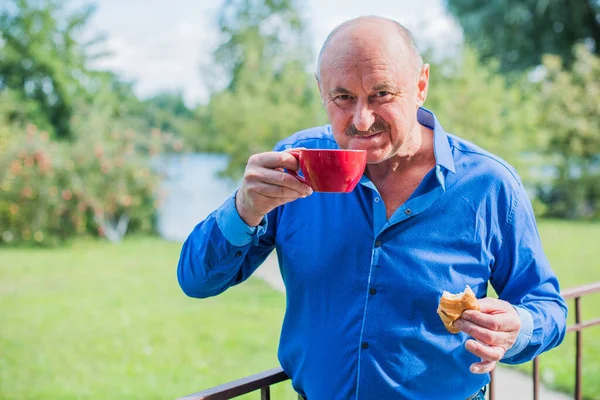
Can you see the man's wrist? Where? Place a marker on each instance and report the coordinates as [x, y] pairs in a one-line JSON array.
[[236, 230], [249, 218], [524, 335]]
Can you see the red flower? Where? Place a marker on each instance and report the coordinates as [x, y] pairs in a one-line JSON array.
[[126, 201], [27, 192], [98, 150], [15, 167], [178, 145]]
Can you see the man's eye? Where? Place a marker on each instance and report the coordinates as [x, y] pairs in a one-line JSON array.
[[342, 98], [382, 93]]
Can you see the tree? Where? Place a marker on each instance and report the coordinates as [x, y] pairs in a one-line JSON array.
[[268, 93], [42, 61], [571, 125], [259, 35], [519, 32], [474, 102], [168, 112]]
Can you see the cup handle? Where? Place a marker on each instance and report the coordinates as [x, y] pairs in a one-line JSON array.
[[298, 155]]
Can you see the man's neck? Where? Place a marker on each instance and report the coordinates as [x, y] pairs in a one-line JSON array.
[[416, 152]]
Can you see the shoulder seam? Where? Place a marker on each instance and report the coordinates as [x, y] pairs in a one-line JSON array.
[[491, 158]]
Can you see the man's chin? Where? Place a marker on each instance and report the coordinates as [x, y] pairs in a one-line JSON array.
[[376, 156]]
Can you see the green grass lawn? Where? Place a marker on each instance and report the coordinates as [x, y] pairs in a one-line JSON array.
[[96, 320], [102, 321]]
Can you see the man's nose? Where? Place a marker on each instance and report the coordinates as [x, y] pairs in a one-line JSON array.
[[363, 116]]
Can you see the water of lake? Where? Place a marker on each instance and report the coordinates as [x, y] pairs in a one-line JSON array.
[[193, 191]]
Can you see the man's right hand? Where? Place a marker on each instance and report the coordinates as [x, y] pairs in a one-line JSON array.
[[266, 186]]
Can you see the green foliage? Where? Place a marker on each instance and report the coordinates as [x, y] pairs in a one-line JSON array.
[[168, 112], [98, 182], [270, 94], [520, 32], [113, 171], [549, 129], [476, 103], [8, 105], [53, 191], [252, 118], [571, 124], [38, 203], [41, 60], [260, 35], [44, 65]]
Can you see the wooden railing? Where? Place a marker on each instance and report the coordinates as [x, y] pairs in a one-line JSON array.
[[264, 380]]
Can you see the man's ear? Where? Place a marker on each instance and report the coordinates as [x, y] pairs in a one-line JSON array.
[[423, 85], [319, 86]]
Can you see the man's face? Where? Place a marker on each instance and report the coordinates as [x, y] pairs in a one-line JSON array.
[[372, 99]]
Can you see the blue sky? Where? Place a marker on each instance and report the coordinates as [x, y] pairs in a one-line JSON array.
[[161, 44]]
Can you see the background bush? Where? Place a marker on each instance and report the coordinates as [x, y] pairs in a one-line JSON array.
[[98, 185]]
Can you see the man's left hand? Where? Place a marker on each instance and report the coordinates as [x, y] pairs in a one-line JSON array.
[[494, 328]]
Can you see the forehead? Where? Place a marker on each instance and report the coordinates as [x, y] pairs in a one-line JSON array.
[[353, 60], [364, 75]]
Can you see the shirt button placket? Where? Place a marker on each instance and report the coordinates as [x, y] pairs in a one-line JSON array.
[[372, 291]]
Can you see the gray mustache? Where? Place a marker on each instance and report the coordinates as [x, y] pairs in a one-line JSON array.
[[378, 126]]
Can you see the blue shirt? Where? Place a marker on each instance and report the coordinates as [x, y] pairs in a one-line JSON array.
[[362, 290]]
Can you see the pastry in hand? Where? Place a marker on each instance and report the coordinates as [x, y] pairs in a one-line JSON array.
[[452, 306]]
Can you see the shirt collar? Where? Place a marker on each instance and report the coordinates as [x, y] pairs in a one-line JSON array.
[[441, 147]]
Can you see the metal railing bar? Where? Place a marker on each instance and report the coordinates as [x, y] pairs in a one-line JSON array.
[[578, 350], [580, 290], [536, 379], [241, 386], [583, 325]]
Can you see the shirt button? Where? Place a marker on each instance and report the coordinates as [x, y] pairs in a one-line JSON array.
[[365, 345], [372, 290], [408, 211], [378, 243], [376, 199], [238, 254]]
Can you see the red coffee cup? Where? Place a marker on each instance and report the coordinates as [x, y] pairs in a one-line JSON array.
[[330, 170]]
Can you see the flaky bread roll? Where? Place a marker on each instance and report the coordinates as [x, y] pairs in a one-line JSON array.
[[452, 306]]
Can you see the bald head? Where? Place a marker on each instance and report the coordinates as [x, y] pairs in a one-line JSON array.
[[373, 31]]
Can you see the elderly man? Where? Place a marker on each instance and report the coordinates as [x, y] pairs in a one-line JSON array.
[[364, 271]]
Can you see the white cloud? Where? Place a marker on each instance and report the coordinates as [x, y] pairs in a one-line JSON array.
[[164, 57]]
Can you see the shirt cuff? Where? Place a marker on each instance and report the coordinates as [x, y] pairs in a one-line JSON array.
[[233, 227], [524, 335]]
